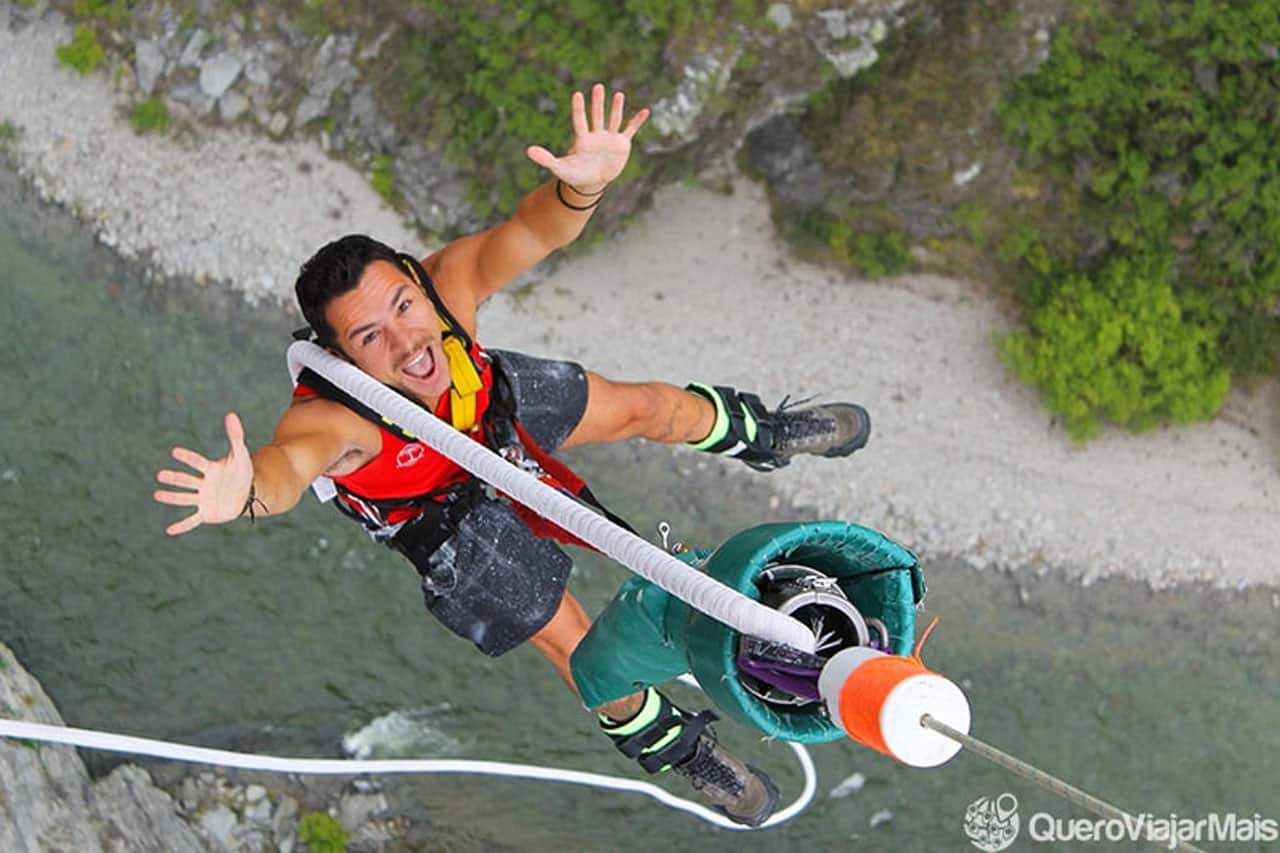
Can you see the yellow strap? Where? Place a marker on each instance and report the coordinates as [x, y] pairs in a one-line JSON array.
[[466, 382], [462, 411], [462, 373]]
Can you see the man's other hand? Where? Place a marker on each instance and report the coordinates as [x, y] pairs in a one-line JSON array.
[[600, 150], [218, 490]]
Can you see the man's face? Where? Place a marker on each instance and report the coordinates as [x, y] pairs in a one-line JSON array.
[[389, 328]]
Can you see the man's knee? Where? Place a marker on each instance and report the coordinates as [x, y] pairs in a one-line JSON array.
[[558, 638]]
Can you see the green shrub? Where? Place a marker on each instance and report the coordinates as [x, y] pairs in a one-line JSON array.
[[1159, 118], [314, 18], [114, 12], [322, 833], [482, 79], [9, 132], [150, 116], [974, 221], [1122, 346], [383, 178], [859, 241], [875, 254], [83, 54]]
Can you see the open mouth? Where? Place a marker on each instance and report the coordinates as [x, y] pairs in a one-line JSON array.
[[422, 366]]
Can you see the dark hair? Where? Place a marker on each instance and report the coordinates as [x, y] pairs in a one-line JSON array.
[[333, 271]]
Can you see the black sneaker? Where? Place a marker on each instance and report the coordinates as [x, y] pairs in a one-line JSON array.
[[677, 740], [738, 791], [767, 440]]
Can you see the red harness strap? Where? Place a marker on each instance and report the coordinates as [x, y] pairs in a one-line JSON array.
[[387, 489], [558, 476]]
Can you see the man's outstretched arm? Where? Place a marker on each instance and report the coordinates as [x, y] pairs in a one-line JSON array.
[[546, 219], [312, 437]]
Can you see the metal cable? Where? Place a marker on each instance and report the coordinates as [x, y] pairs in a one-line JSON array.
[[1049, 782]]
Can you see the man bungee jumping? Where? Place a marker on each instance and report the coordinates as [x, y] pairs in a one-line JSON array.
[[491, 570]]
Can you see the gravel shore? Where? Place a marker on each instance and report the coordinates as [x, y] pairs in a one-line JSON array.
[[963, 459], [227, 207]]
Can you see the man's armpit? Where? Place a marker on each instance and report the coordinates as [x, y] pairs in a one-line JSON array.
[[316, 425], [350, 462]]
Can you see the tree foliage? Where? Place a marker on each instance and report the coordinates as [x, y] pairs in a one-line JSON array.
[[1158, 120], [1122, 345], [482, 74]]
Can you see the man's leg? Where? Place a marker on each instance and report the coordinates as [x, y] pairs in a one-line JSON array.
[[654, 410], [647, 727], [717, 419], [556, 642]]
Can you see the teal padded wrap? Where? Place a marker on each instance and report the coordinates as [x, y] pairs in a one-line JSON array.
[[645, 636], [881, 578]]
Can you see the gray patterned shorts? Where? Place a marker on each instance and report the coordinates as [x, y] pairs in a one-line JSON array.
[[494, 582]]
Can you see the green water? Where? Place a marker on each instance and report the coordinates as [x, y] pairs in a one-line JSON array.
[[285, 635]]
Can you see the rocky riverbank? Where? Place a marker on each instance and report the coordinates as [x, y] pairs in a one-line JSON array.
[[48, 801], [222, 205], [963, 459]]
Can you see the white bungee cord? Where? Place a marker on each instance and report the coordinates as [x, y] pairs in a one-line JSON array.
[[109, 742], [704, 594], [681, 580]]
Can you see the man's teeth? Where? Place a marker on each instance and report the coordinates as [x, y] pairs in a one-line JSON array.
[[419, 370]]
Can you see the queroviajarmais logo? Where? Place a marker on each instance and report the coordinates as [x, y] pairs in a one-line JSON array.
[[992, 822]]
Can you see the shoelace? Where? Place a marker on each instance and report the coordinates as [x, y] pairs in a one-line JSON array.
[[798, 426], [704, 768], [788, 403]]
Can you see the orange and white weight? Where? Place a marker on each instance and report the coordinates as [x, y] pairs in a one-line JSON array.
[[878, 699]]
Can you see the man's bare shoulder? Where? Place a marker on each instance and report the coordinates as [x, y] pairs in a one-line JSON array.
[[345, 436], [452, 270]]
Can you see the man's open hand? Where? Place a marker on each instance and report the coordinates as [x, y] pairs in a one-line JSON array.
[[599, 150], [219, 488]]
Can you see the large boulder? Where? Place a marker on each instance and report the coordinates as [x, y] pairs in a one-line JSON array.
[[48, 801]]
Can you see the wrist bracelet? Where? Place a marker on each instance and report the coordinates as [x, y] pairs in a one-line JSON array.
[[251, 504], [587, 195], [560, 195]]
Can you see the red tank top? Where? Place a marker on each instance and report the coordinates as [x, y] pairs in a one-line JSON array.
[[405, 469]]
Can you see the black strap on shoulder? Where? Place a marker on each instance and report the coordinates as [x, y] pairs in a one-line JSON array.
[[419, 275], [329, 391], [381, 506]]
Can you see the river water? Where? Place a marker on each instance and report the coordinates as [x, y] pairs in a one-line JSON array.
[[289, 634]]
